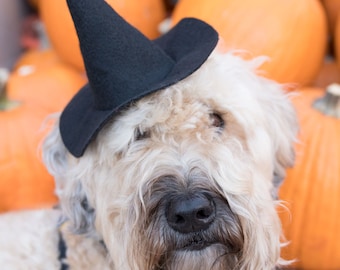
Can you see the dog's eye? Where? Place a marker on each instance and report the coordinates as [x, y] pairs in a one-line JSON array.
[[141, 134], [217, 120]]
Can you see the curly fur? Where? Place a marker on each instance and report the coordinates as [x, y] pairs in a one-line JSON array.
[[170, 143]]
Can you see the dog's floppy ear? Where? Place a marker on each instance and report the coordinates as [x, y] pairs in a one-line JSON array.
[[77, 209], [55, 157], [283, 128], [72, 197]]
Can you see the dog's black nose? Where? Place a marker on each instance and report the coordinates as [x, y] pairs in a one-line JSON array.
[[190, 213]]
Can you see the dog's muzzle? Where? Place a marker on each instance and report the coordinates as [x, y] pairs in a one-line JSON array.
[[193, 216]]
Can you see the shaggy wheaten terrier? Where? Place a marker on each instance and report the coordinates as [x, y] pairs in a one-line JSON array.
[[183, 176]]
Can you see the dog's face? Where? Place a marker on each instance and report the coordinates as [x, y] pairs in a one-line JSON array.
[[184, 178]]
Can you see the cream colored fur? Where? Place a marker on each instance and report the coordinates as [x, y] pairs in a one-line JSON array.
[[106, 194]]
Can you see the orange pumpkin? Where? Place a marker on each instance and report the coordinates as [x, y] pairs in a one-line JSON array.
[[292, 33], [332, 8], [312, 186], [145, 15], [24, 181]]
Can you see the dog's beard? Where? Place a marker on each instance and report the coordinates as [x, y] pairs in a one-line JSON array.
[[213, 257], [217, 247]]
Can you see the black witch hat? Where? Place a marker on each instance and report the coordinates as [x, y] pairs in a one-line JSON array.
[[123, 65]]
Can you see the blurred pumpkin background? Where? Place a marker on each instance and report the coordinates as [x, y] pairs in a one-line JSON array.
[[41, 69]]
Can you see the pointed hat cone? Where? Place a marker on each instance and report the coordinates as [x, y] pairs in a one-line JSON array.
[[122, 65]]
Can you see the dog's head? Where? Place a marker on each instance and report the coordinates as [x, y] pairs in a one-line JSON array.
[[185, 178]]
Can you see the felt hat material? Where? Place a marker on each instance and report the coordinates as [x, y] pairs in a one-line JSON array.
[[123, 65]]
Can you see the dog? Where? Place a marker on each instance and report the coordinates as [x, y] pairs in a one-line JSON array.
[[182, 178]]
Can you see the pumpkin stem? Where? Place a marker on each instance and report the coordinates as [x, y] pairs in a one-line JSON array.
[[329, 104], [5, 103]]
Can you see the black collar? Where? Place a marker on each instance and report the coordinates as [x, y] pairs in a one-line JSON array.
[[62, 252]]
